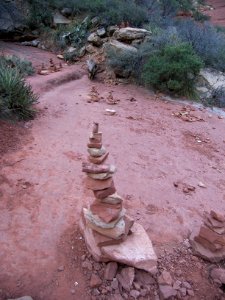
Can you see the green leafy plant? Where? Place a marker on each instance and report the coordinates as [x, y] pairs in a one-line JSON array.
[[23, 66], [16, 96], [173, 69]]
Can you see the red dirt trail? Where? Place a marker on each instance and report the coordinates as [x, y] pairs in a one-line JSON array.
[[41, 183], [218, 13]]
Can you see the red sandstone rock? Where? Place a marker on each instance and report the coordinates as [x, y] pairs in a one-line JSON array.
[[96, 185], [92, 168], [106, 212], [95, 145], [210, 239], [110, 271], [95, 281], [217, 216], [126, 278], [96, 137], [98, 160], [101, 194]]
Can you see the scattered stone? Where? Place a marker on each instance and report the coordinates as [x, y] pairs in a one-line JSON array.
[[201, 184], [23, 298], [186, 285], [95, 281], [218, 274], [135, 294], [110, 112], [61, 268], [144, 278], [166, 292], [115, 284], [190, 293], [165, 278], [72, 291], [101, 32], [183, 291], [95, 39], [177, 285], [110, 270], [60, 56], [87, 265], [126, 278]]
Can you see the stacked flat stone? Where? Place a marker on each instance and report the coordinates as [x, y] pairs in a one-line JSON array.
[[208, 240], [106, 215]]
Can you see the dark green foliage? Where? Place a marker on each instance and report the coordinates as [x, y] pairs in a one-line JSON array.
[[24, 67], [173, 69], [40, 13], [16, 96]]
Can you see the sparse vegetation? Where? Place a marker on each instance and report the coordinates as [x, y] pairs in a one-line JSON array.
[[16, 96], [173, 69]]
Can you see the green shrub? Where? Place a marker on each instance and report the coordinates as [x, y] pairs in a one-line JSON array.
[[23, 66], [16, 96], [173, 69]]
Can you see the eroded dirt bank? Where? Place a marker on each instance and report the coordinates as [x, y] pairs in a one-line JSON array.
[[42, 191]]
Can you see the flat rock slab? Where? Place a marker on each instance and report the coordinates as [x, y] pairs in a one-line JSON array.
[[129, 34], [136, 251], [202, 251]]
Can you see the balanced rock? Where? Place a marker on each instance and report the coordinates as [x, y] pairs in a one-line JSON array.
[[93, 169], [116, 232], [112, 199], [98, 160], [97, 185], [95, 221], [103, 194], [106, 212], [97, 152]]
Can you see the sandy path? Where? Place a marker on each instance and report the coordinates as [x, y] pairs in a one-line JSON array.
[[218, 13], [43, 192]]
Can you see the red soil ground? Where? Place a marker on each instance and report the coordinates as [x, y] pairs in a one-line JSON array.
[[41, 183], [218, 13]]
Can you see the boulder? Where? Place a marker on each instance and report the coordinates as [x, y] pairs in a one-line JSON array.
[[129, 34], [101, 32], [95, 39], [165, 278], [136, 251], [60, 19], [11, 19], [166, 292], [119, 50]]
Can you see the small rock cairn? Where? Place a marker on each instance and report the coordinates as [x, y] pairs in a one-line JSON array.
[[106, 214], [110, 234], [208, 240]]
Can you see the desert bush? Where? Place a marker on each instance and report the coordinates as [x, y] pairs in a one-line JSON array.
[[173, 69], [23, 66], [207, 42], [16, 96], [40, 13]]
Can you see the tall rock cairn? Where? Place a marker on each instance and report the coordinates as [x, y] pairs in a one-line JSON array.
[[106, 216]]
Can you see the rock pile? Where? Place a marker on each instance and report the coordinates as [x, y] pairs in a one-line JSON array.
[[110, 234], [208, 241]]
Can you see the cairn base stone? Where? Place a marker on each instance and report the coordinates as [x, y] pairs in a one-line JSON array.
[[135, 251], [201, 251]]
